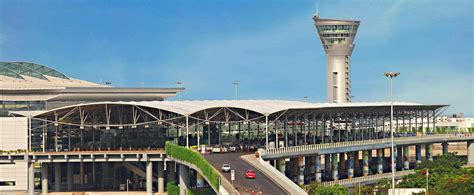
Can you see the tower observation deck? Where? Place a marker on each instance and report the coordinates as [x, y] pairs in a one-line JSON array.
[[337, 37]]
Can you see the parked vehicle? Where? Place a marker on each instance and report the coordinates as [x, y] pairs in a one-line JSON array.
[[233, 149], [216, 149]]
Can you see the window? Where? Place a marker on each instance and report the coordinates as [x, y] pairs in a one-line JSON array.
[[334, 78], [7, 183]]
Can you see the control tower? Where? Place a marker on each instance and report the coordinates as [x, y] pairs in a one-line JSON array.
[[337, 37]]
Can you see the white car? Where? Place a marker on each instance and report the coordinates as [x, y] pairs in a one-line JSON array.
[[225, 168]]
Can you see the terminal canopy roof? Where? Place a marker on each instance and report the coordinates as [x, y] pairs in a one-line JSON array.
[[218, 111]]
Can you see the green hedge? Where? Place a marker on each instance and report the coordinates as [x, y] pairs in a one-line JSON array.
[[193, 157], [172, 188]]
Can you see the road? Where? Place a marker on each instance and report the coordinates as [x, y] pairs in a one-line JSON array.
[[260, 184]]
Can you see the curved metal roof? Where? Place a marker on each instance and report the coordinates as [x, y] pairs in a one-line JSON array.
[[264, 107]]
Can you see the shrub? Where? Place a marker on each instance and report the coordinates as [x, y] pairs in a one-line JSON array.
[[172, 188]]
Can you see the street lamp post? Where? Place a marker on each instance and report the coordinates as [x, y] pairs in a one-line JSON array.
[[236, 84], [179, 93], [392, 75], [128, 182]]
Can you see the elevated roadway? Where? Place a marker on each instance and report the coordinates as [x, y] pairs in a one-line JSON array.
[[367, 179], [331, 148]]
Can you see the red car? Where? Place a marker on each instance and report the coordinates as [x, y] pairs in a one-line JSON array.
[[250, 174]]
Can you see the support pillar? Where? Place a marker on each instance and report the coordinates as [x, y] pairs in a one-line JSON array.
[[445, 147], [301, 164], [309, 165], [406, 157], [293, 173], [356, 163], [93, 173], [44, 178], [327, 165], [335, 167], [57, 177], [81, 172], [418, 154], [183, 179], [161, 180], [199, 180], [69, 176], [342, 164], [470, 153], [149, 178], [365, 162], [380, 161], [317, 165], [31, 178], [171, 171], [429, 152], [350, 165], [281, 165], [399, 158]]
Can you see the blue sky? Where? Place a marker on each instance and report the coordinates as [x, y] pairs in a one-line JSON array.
[[271, 47]]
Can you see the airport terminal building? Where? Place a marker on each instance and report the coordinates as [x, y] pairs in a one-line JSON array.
[[83, 136]]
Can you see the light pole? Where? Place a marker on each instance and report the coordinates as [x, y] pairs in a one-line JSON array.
[[392, 75], [236, 84], [427, 184], [305, 98], [128, 182], [179, 93]]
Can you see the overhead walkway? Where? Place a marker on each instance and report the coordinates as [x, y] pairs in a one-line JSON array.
[[339, 147]]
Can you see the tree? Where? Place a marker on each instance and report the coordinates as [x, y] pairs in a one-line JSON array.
[[317, 188], [446, 176]]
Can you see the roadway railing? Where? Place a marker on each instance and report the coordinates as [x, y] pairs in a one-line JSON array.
[[295, 149], [364, 179]]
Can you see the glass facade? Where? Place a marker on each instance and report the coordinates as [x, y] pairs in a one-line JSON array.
[[336, 34], [7, 106]]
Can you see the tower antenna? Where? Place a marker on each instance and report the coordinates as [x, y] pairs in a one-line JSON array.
[[317, 10]]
